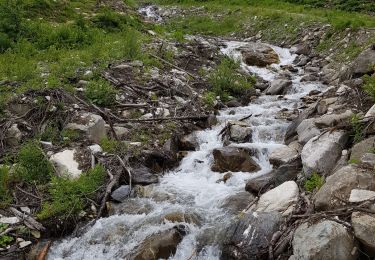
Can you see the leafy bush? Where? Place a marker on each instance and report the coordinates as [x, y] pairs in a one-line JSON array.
[[369, 86], [32, 164], [69, 197], [101, 92], [209, 98], [314, 182], [226, 81]]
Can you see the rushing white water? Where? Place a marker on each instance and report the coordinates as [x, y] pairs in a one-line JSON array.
[[193, 187]]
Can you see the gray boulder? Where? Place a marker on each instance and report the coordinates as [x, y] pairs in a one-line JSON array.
[[329, 120], [240, 132], [321, 153], [259, 183], [324, 240], [257, 54], [337, 189], [188, 143], [283, 155], [368, 160], [361, 148], [363, 64], [144, 176], [66, 164], [233, 159], [364, 230], [279, 86], [121, 193], [93, 126], [249, 236], [237, 202], [307, 130]]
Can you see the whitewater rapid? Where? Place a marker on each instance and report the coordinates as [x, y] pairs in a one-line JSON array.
[[192, 187]]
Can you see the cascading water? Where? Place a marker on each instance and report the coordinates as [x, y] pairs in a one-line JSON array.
[[192, 188]]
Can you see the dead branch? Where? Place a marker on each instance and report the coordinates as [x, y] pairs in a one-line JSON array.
[[29, 221], [114, 182], [199, 117], [174, 66]]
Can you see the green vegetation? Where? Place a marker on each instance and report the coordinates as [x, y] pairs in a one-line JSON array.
[[113, 146], [226, 81], [315, 182], [369, 86], [346, 5], [4, 239], [69, 197], [358, 128], [354, 161], [101, 92], [4, 186], [32, 166], [209, 99]]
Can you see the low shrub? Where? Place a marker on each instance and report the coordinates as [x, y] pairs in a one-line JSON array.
[[32, 166], [4, 186], [369, 86], [315, 182], [227, 81], [358, 128], [69, 197], [101, 92]]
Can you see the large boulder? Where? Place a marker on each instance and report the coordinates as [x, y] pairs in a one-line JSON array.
[[279, 86], [66, 164], [188, 143], [282, 199], [239, 132], [337, 188], [91, 125], [287, 172], [257, 184], [257, 54], [283, 155], [368, 160], [237, 202], [122, 193], [324, 240], [363, 64], [361, 148], [233, 159], [250, 235], [364, 230], [160, 245], [307, 130], [330, 120], [144, 176], [321, 153]]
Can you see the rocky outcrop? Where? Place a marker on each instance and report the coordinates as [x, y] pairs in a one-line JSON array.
[[281, 199], [257, 54], [66, 164], [324, 240], [283, 155], [329, 120], [363, 64], [364, 230], [279, 86], [161, 245], [233, 159], [249, 237], [307, 130], [336, 191], [361, 148], [91, 125], [321, 153]]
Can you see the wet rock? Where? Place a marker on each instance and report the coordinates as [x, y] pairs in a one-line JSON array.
[[160, 245], [239, 132], [144, 176], [368, 160], [93, 126], [301, 61], [357, 195], [233, 159], [233, 103], [307, 130], [324, 240], [257, 54], [309, 77], [283, 155], [237, 202], [329, 120], [66, 164], [188, 143], [260, 183], [279, 86], [249, 236], [130, 206], [321, 153], [122, 193], [361, 148], [302, 48], [181, 217], [287, 172], [160, 160], [282, 199], [312, 69], [337, 188], [292, 128], [13, 135], [364, 230]]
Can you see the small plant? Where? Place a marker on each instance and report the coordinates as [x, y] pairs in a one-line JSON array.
[[32, 164], [357, 128], [314, 182], [209, 99], [369, 86], [226, 81], [4, 239], [101, 92], [354, 161], [113, 146], [69, 197], [4, 186]]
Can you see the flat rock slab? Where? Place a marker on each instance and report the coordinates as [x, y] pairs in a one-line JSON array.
[[364, 229], [233, 159]]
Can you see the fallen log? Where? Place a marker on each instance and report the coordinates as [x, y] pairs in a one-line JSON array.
[[29, 221]]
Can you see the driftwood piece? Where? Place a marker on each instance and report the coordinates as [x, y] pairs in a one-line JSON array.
[[29, 221]]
